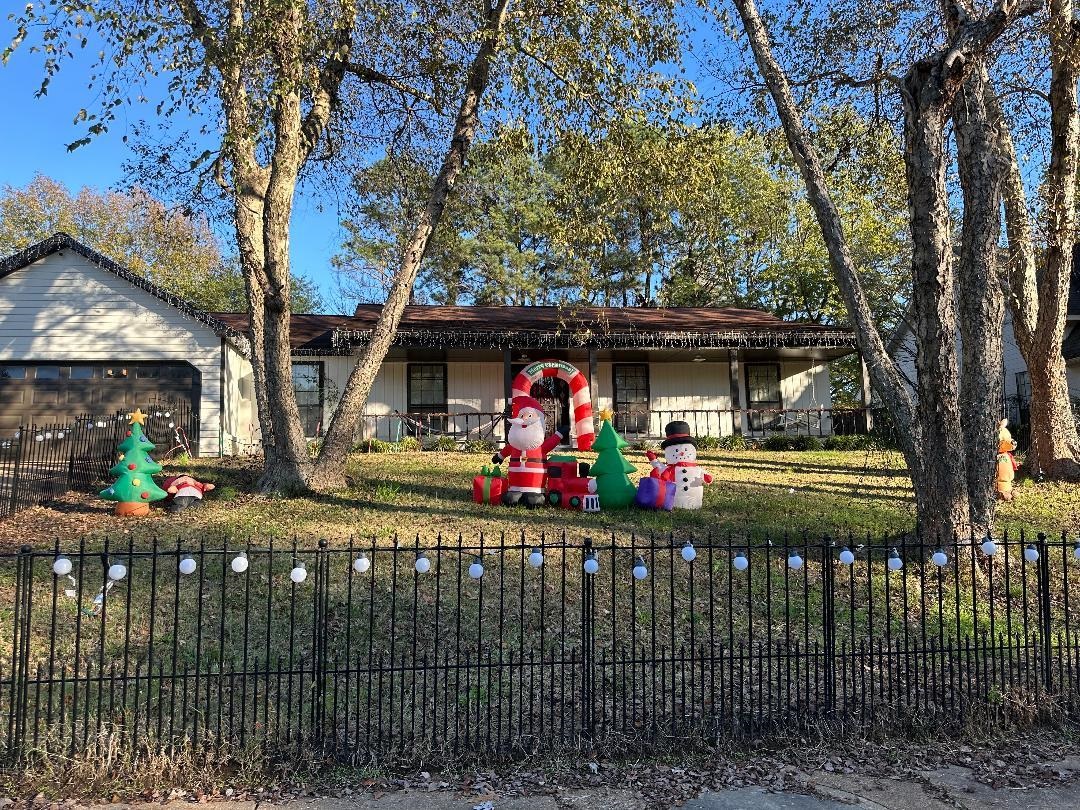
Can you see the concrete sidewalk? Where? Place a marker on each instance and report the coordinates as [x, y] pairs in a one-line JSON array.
[[950, 788]]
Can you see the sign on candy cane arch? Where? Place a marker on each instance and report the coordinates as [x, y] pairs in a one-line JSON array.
[[580, 398]]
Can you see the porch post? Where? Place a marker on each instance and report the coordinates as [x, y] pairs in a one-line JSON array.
[[736, 393], [508, 387], [866, 394], [594, 390]]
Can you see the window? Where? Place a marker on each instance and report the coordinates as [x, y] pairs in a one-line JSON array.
[[763, 394], [147, 372], [13, 373], [81, 373], [47, 373], [427, 391], [631, 395], [307, 385]]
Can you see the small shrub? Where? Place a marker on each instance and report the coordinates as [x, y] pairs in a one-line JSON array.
[[644, 445], [777, 442], [441, 443], [850, 442], [410, 444], [387, 492], [733, 443], [707, 442], [486, 446], [374, 446], [805, 443]]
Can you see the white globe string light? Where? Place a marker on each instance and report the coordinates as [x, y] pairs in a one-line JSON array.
[[1031, 554], [476, 570], [940, 558], [740, 562], [847, 557], [117, 571], [298, 573], [187, 565], [61, 566], [422, 564], [536, 558], [895, 563], [239, 563], [1076, 550], [590, 566], [794, 561], [989, 547], [689, 553], [640, 569], [361, 564]]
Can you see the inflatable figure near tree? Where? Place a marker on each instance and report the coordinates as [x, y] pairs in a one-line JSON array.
[[1007, 465], [134, 490], [614, 487]]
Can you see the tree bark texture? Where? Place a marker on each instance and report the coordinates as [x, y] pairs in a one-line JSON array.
[[981, 301], [329, 471]]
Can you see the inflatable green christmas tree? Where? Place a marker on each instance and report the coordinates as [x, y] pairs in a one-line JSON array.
[[134, 490], [612, 484]]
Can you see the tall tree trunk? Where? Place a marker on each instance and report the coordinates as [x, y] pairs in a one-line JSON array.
[[981, 302], [329, 472], [931, 440], [1038, 300]]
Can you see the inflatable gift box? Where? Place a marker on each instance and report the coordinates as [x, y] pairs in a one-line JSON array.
[[488, 487], [655, 493]]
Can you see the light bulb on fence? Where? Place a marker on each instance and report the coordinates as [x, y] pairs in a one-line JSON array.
[[989, 547], [640, 570], [940, 558], [61, 566], [239, 563], [422, 565], [536, 558], [895, 563], [689, 553], [1076, 551], [847, 557], [591, 566], [740, 563], [187, 565], [361, 564], [1031, 554], [298, 574], [794, 561], [117, 571], [476, 570]]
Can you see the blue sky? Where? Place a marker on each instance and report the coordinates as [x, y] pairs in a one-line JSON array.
[[38, 130]]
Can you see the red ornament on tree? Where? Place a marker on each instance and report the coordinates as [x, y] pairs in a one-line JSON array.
[[131, 466]]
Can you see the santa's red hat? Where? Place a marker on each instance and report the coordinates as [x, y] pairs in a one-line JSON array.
[[519, 402]]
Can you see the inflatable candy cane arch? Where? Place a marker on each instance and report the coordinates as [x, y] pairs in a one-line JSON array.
[[580, 398]]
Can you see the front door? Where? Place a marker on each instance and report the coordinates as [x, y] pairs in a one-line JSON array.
[[554, 395]]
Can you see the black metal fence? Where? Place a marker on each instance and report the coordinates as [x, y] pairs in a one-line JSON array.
[[393, 652], [39, 463]]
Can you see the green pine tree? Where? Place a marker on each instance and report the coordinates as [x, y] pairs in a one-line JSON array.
[[133, 482], [615, 489]]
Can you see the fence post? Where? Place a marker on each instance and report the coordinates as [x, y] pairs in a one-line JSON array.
[[318, 703], [588, 626], [828, 622], [20, 656], [1046, 630], [15, 474]]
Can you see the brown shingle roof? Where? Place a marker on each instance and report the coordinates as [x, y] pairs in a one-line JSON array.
[[526, 327]]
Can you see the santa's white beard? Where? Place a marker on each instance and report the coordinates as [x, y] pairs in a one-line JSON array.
[[526, 438]]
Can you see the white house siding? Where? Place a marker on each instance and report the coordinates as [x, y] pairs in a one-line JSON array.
[[65, 308], [475, 388], [694, 392], [388, 394], [240, 427], [805, 384]]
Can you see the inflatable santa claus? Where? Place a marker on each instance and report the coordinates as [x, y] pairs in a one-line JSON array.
[[527, 449]]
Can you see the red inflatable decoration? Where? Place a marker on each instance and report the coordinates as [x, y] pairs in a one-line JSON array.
[[580, 397]]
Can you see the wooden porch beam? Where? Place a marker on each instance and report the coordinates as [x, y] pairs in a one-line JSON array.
[[735, 386]]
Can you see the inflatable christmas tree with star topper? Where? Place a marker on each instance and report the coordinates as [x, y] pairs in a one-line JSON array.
[[612, 483], [134, 490]]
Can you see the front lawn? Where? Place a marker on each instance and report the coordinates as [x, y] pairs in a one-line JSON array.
[[427, 493]]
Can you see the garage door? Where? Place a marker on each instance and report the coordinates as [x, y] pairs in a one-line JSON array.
[[48, 394]]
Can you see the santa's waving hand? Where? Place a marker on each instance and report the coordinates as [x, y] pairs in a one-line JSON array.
[[527, 450]]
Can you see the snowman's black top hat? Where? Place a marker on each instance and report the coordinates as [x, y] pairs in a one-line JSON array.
[[677, 433]]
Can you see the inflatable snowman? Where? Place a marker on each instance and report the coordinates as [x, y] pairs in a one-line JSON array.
[[680, 466]]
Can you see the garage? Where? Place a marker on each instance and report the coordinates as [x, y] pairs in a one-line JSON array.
[[55, 393]]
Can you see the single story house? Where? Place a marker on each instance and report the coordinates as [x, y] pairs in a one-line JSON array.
[[81, 334]]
